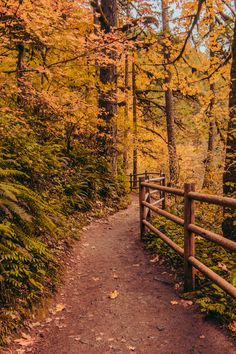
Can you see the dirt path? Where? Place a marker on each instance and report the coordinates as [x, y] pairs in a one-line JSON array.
[[141, 319]]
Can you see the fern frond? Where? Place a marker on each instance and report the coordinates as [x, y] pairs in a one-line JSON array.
[[14, 208], [4, 173]]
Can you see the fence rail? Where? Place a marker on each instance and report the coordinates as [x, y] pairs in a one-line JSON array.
[[133, 178], [191, 263]]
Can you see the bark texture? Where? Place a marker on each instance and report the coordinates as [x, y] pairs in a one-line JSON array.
[[108, 77], [169, 102], [211, 142], [229, 178], [126, 110], [135, 128], [126, 114]]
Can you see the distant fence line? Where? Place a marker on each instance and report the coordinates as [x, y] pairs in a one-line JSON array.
[[134, 178]]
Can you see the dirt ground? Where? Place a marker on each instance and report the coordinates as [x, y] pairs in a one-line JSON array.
[[115, 300]]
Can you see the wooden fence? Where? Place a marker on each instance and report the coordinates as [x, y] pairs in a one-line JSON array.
[[150, 176], [190, 228]]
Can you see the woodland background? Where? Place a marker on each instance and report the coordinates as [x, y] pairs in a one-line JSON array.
[[94, 90]]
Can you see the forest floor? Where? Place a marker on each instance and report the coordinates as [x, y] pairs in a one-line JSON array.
[[116, 299]]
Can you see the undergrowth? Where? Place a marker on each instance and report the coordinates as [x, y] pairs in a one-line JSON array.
[[42, 185], [212, 301]]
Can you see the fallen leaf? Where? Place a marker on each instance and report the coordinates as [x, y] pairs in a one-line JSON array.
[[232, 326], [155, 260], [77, 338], [95, 279], [186, 303], [173, 302], [25, 341], [222, 266], [60, 307], [113, 295], [132, 349]]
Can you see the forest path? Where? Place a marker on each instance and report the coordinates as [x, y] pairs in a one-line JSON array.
[[141, 319]]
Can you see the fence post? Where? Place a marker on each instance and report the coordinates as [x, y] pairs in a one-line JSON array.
[[142, 194], [131, 181], [189, 238], [163, 193], [135, 181], [149, 212]]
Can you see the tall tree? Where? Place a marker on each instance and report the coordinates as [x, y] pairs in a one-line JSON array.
[[229, 178], [126, 110], [135, 127], [211, 140], [210, 114], [169, 102], [108, 16]]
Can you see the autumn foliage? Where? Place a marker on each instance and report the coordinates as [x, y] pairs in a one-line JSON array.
[[91, 91]]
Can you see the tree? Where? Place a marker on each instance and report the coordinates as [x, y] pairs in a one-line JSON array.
[[135, 126], [229, 179], [169, 103], [108, 17]]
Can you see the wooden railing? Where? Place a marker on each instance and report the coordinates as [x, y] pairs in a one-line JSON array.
[[151, 176], [190, 229]]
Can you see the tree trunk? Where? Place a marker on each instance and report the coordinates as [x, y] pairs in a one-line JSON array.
[[108, 93], [169, 103], [207, 181], [135, 128], [126, 112], [20, 74], [229, 178]]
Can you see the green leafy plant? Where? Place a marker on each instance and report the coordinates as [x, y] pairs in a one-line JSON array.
[[212, 300]]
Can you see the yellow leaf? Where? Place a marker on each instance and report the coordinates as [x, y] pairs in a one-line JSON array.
[[232, 326], [132, 349], [173, 302], [60, 307], [113, 295]]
